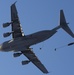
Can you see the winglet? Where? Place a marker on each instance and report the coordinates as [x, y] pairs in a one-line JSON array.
[[15, 2], [64, 24]]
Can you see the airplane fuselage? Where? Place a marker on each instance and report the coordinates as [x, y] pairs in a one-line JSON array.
[[22, 43]]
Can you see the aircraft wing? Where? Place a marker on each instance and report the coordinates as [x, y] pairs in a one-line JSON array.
[[16, 27], [32, 57]]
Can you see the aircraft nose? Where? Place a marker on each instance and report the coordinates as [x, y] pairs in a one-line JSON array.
[[0, 47]]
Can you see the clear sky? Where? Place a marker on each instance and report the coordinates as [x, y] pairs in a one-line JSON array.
[[36, 15]]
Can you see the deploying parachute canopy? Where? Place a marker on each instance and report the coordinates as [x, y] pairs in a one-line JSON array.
[[72, 43]]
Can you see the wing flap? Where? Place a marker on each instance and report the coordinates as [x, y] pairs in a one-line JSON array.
[[32, 57]]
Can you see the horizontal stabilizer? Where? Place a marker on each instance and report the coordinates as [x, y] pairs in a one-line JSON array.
[[64, 24]]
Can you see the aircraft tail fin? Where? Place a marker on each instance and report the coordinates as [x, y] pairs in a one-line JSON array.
[[64, 24]]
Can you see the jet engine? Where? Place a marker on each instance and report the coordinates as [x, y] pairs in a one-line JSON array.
[[17, 54], [6, 24], [7, 34], [25, 62]]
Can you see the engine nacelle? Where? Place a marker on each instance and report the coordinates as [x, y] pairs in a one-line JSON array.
[[7, 34], [17, 54], [25, 62], [6, 24]]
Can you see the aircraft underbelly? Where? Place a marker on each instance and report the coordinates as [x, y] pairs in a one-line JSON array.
[[22, 43], [16, 45], [39, 37]]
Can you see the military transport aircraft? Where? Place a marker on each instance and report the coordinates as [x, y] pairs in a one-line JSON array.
[[20, 43]]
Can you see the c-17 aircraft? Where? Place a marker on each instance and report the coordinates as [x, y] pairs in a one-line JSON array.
[[20, 43]]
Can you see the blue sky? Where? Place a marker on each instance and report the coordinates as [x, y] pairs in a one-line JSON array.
[[36, 15]]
